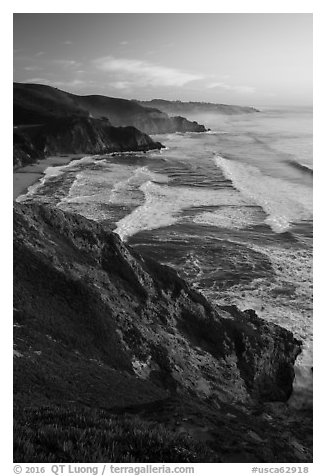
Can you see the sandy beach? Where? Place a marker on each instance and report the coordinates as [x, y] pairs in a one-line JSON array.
[[24, 177]]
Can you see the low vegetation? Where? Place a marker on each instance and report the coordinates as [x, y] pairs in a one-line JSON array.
[[58, 434]]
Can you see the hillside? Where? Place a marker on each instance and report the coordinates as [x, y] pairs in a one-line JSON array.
[[179, 107], [37, 104], [105, 334], [76, 135]]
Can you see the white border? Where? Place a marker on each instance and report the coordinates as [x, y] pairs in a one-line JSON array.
[[168, 6]]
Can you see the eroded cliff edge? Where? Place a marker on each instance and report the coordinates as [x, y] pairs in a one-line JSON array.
[[75, 135], [39, 103], [98, 325]]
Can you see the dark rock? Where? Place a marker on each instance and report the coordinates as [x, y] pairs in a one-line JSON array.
[[37, 104], [76, 135], [180, 124], [92, 328], [78, 283]]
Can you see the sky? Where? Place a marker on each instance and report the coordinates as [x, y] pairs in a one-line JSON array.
[[247, 59]]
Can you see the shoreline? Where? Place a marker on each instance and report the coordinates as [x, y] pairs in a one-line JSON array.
[[25, 177], [28, 175]]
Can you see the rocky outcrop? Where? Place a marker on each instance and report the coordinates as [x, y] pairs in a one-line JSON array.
[[37, 104], [25, 151], [157, 122], [76, 135], [103, 333], [181, 124], [193, 107], [78, 283], [122, 112]]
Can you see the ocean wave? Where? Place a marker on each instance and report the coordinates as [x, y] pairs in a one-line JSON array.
[[140, 175], [216, 133], [299, 166], [293, 270], [230, 217], [166, 205], [283, 202], [284, 297], [49, 173], [54, 171], [88, 159], [114, 184]]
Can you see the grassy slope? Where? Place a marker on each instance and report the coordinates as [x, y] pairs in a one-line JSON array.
[[62, 435]]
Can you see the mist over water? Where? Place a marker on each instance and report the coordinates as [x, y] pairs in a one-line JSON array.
[[230, 209]]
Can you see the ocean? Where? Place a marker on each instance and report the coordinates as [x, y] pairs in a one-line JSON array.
[[230, 209]]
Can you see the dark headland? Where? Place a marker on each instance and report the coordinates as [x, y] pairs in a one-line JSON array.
[[48, 121], [116, 358]]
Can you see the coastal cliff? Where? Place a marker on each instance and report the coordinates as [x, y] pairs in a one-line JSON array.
[[99, 325], [38, 104], [74, 135], [195, 107]]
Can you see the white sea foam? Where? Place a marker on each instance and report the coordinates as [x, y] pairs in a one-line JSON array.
[[283, 201], [54, 171], [120, 190], [230, 217], [88, 159], [163, 206], [49, 173], [114, 184], [215, 133], [286, 298]]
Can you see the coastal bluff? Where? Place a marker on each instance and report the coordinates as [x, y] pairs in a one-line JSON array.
[[39, 103], [99, 325], [195, 107], [76, 135]]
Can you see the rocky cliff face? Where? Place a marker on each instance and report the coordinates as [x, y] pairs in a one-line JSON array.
[[138, 316], [25, 150], [76, 135], [183, 125], [98, 326], [122, 112], [157, 122], [36, 104]]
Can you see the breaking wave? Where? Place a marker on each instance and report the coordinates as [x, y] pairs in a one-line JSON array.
[[165, 205], [299, 166], [284, 202]]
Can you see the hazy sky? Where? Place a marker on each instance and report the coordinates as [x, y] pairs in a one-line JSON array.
[[252, 59]]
